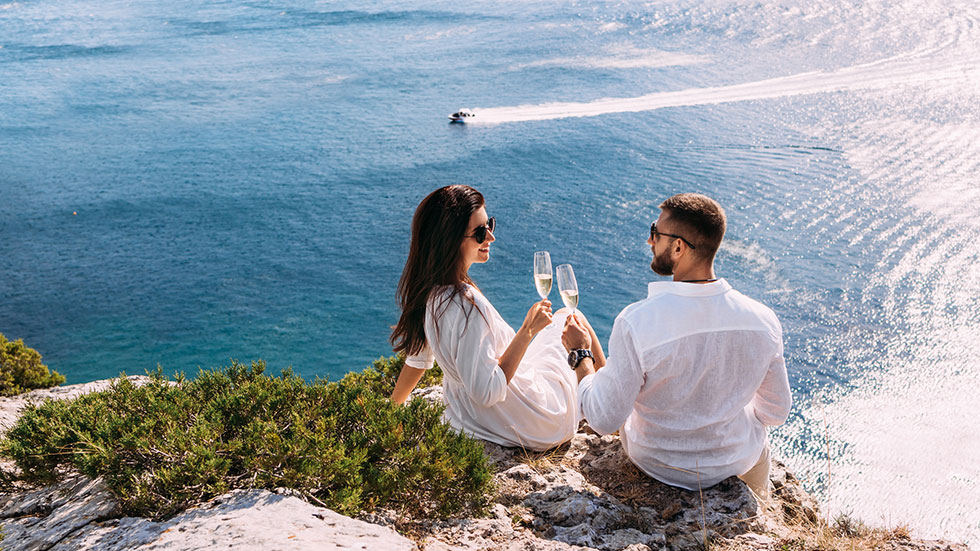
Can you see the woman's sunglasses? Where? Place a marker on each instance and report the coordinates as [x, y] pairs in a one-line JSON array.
[[480, 234]]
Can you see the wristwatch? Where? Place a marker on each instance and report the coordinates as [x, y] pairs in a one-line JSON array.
[[576, 356]]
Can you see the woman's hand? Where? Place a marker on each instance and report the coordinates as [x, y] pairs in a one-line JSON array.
[[538, 317]]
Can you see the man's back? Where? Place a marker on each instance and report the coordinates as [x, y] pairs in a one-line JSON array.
[[696, 372]]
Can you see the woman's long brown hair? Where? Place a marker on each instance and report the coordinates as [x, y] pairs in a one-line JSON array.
[[434, 260]]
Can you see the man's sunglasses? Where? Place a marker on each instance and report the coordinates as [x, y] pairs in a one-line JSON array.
[[654, 233], [480, 234]]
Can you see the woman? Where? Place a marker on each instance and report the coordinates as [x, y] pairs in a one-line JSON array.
[[499, 385]]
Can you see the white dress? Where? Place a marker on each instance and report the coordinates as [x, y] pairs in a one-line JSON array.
[[538, 410]]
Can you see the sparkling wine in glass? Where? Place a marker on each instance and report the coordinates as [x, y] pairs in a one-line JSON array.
[[542, 273], [567, 286]]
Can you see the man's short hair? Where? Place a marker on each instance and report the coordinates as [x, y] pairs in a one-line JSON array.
[[699, 218]]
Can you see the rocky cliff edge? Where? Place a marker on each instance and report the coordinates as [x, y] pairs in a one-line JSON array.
[[584, 495]]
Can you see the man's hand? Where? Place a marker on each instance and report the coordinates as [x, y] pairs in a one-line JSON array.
[[575, 335]]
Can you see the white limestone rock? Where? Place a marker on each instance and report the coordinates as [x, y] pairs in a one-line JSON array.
[[38, 520], [433, 394], [241, 519], [588, 495]]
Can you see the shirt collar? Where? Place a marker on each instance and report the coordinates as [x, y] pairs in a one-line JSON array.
[[688, 289]]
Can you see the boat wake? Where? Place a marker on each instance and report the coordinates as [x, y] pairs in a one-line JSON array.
[[883, 74]]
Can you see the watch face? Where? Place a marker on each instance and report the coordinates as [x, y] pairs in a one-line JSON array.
[[573, 359]]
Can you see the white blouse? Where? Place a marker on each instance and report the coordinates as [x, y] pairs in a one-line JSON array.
[[537, 410]]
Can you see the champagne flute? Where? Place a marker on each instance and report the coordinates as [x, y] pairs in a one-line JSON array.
[[567, 286], [542, 273]]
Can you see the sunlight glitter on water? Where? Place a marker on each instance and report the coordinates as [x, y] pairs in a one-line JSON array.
[[910, 429]]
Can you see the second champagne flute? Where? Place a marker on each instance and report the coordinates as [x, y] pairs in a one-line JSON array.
[[542, 273], [567, 286]]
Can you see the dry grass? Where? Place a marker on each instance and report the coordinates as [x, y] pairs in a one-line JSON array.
[[846, 533], [542, 462], [843, 533]]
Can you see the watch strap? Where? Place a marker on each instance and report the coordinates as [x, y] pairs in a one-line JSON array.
[[575, 357]]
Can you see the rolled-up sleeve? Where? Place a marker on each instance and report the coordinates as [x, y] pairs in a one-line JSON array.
[[476, 361], [608, 396], [772, 400], [423, 360]]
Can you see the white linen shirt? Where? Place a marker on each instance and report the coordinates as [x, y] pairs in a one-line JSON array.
[[695, 374]]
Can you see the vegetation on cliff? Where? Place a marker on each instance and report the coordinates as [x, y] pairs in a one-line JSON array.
[[168, 445], [21, 369]]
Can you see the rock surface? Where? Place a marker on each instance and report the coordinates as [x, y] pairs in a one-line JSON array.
[[588, 495], [584, 495], [79, 514], [40, 519]]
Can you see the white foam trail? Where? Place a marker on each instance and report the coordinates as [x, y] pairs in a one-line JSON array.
[[877, 75], [626, 58]]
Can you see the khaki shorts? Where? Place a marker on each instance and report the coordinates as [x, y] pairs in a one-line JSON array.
[[757, 478]]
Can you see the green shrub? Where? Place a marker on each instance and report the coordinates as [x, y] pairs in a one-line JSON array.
[[165, 446], [21, 369], [383, 374]]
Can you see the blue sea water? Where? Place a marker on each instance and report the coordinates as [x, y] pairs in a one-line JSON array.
[[188, 182]]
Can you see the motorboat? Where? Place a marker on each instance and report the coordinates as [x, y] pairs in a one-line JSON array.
[[461, 115]]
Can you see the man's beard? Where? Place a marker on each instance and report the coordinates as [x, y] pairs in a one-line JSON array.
[[662, 264]]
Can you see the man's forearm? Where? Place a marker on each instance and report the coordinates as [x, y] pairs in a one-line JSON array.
[[597, 353], [604, 411], [585, 368]]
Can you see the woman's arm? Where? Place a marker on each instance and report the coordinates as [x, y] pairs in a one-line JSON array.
[[511, 358], [412, 371], [538, 317], [407, 379]]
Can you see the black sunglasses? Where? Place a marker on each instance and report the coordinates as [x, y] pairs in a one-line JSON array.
[[654, 233], [480, 234]]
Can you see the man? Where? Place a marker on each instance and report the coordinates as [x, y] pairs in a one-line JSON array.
[[695, 371]]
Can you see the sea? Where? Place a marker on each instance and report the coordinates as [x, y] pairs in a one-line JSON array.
[[188, 182]]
